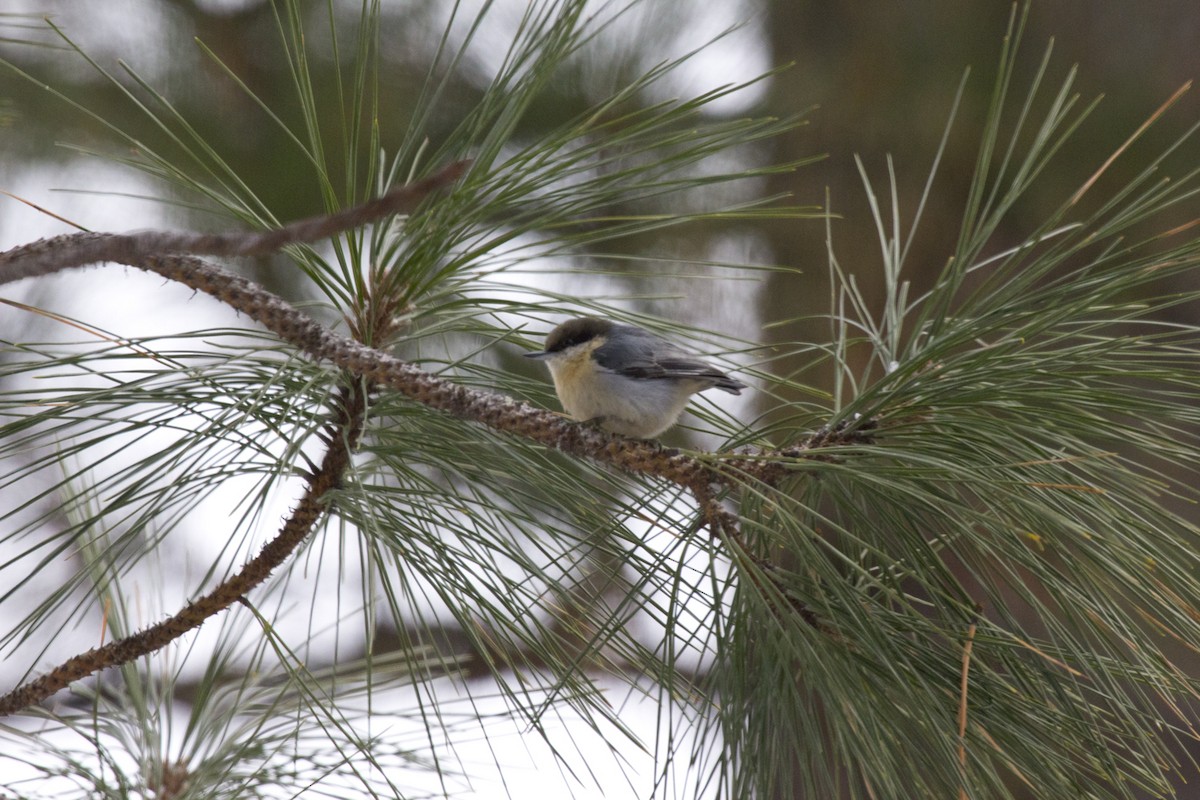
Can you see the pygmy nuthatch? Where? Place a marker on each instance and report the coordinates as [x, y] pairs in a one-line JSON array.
[[624, 378]]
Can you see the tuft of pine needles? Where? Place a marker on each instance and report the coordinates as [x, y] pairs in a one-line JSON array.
[[964, 571]]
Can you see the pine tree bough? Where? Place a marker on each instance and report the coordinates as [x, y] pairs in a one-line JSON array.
[[341, 432], [46, 256], [174, 256]]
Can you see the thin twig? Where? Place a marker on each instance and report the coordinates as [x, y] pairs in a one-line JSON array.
[[41, 210], [79, 249]]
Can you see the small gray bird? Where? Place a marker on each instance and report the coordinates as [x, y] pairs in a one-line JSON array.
[[624, 378]]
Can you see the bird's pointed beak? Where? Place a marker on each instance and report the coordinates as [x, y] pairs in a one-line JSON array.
[[540, 354]]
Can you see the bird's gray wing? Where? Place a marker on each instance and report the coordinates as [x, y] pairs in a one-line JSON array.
[[646, 356]]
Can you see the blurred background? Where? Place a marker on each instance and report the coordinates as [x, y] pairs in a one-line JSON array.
[[871, 79]]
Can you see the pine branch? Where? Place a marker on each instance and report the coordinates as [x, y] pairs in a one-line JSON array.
[[498, 412], [341, 434], [173, 256], [47, 256]]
